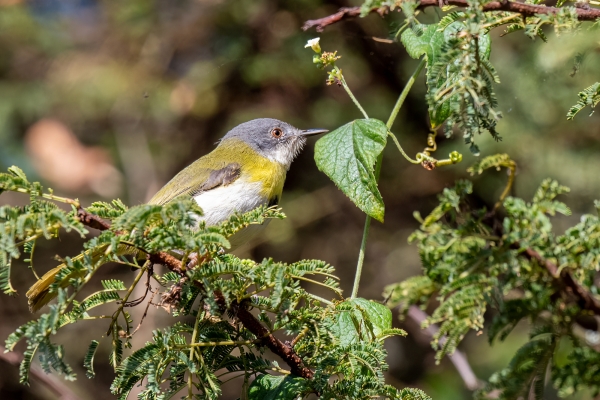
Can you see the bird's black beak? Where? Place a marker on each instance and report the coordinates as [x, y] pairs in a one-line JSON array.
[[311, 132]]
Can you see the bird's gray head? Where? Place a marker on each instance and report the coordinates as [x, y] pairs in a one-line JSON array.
[[273, 139]]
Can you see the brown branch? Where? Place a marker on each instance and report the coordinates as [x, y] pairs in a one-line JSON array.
[[54, 385], [92, 220], [527, 10], [321, 23], [586, 300], [168, 261], [283, 350]]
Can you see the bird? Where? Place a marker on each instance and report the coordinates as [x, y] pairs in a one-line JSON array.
[[246, 170]]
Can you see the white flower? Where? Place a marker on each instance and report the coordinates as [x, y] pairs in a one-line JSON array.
[[314, 44]]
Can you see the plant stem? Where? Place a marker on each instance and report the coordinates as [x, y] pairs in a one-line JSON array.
[[124, 300], [395, 139], [347, 88], [389, 124], [199, 317], [404, 93], [512, 168], [220, 343], [51, 196]]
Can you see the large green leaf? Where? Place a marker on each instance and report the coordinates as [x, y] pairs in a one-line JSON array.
[[347, 155], [270, 387], [360, 319]]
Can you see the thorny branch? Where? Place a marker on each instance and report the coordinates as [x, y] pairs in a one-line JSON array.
[[526, 10], [283, 350]]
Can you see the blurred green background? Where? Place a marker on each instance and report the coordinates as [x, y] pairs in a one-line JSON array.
[[102, 99]]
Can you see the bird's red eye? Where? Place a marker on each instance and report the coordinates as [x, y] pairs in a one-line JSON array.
[[277, 133]]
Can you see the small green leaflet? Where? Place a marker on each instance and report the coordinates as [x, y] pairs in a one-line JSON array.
[[347, 155], [270, 387]]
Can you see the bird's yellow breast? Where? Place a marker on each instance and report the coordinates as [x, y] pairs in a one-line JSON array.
[[254, 167], [270, 173]]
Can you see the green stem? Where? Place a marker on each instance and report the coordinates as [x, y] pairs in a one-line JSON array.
[[51, 196], [395, 139], [404, 93], [390, 123], [347, 88], [199, 317]]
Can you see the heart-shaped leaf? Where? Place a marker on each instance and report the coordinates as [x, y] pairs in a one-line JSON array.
[[347, 155]]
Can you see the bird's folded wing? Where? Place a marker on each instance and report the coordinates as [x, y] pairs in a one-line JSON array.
[[193, 181]]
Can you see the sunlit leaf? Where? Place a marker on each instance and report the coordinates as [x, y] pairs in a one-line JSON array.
[[347, 155]]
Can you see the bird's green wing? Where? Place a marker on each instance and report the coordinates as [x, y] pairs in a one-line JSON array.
[[193, 181]]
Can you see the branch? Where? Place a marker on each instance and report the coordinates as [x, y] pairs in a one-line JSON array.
[[457, 358], [54, 385], [586, 300], [527, 10], [343, 13], [283, 350], [92, 220]]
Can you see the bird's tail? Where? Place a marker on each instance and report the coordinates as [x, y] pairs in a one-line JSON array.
[[39, 293]]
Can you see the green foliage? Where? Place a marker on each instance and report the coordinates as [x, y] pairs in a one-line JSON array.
[[526, 374], [475, 260], [340, 341], [22, 226], [269, 387], [110, 210], [88, 361], [590, 96], [507, 260], [347, 155], [496, 161], [581, 372], [459, 73]]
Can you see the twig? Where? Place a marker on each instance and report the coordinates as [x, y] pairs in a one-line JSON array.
[[586, 300], [49, 381], [145, 312], [526, 10], [457, 358], [92, 220], [283, 350], [321, 23]]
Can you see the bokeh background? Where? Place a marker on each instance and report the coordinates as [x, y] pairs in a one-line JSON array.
[[102, 99]]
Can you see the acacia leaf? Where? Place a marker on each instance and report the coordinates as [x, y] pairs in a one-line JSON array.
[[270, 387]]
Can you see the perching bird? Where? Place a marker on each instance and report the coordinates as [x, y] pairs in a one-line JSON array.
[[246, 170]]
